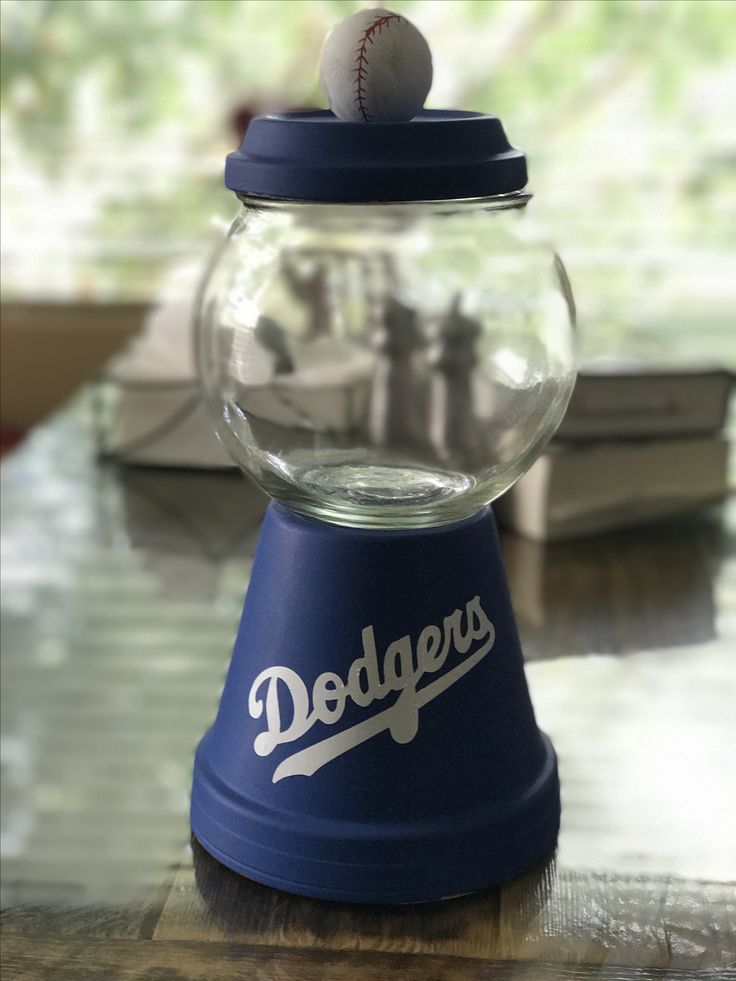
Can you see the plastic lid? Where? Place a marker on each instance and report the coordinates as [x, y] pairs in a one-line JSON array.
[[314, 156]]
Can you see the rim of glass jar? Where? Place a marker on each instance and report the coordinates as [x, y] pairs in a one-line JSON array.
[[514, 200]]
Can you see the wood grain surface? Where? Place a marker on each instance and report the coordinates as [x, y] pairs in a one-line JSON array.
[[121, 595]]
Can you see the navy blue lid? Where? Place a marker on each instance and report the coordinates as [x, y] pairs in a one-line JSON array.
[[314, 156]]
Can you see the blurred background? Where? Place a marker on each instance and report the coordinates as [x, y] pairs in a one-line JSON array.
[[117, 115]]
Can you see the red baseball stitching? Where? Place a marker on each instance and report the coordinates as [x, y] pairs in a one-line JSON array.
[[361, 62]]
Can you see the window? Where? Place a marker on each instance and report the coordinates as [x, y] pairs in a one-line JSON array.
[[117, 115]]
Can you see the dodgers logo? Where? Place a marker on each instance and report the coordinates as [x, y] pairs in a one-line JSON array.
[[402, 668]]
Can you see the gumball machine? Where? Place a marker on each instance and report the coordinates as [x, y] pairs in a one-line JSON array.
[[385, 347]]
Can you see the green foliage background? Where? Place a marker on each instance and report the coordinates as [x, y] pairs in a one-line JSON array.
[[115, 123]]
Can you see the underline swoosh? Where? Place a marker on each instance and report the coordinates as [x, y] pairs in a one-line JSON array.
[[308, 761]]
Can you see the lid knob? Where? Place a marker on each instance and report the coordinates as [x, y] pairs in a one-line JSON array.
[[375, 67]]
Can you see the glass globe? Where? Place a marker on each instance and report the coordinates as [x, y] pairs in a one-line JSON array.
[[386, 365]]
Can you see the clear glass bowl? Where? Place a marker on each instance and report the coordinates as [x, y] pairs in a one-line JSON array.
[[386, 365]]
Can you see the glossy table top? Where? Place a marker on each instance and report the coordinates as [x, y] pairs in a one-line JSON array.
[[121, 593]]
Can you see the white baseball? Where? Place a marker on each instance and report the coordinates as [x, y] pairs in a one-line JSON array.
[[375, 66]]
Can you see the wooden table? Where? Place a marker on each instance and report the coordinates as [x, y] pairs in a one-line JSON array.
[[121, 594]]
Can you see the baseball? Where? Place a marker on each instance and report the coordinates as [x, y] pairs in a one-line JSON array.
[[375, 67]]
